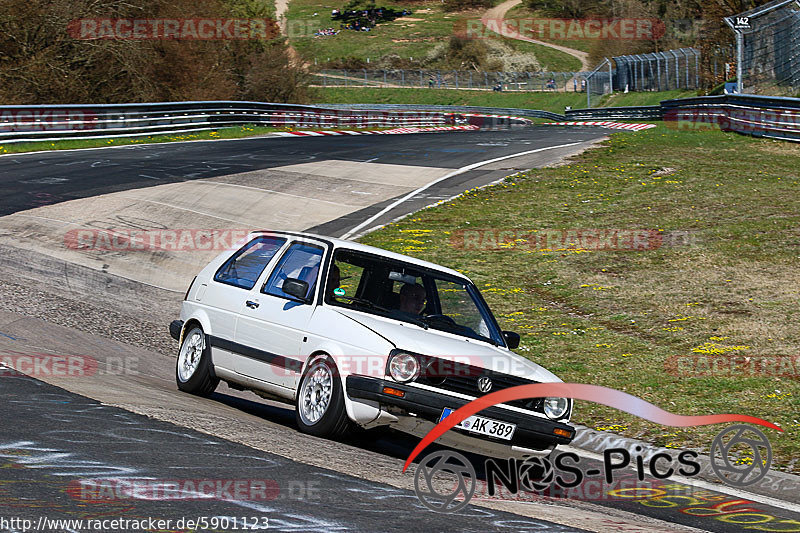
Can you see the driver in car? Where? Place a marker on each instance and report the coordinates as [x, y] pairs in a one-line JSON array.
[[412, 299]]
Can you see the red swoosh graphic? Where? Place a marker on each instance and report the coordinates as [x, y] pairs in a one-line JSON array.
[[579, 391]]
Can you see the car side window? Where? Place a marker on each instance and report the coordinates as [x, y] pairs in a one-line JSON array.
[[301, 261], [245, 266]]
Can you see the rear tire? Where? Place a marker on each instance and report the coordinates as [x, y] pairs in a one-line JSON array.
[[319, 408], [193, 367]]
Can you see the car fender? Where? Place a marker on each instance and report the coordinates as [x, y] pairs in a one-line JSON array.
[[360, 411], [198, 314]]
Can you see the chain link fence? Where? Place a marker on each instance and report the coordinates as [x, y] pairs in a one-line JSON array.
[[658, 71], [599, 81], [768, 48], [451, 79]]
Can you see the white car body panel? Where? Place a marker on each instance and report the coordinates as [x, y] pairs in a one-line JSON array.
[[358, 341]]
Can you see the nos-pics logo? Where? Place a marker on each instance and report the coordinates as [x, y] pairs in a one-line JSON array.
[[445, 481], [740, 455]]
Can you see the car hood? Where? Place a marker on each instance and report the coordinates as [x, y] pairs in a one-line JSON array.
[[406, 336]]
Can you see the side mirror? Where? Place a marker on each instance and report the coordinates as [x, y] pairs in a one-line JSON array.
[[297, 288], [512, 339]]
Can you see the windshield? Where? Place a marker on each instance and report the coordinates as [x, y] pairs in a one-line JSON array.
[[409, 293]]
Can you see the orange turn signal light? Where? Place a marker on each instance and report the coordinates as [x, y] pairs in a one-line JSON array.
[[562, 432], [394, 392]]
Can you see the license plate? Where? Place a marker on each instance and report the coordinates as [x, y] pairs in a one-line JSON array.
[[483, 425]]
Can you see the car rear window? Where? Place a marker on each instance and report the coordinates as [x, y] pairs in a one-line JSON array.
[[245, 266]]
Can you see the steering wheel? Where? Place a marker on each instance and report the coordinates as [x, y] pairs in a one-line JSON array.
[[441, 318]]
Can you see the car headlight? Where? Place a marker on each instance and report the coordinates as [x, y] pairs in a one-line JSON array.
[[556, 408], [404, 367]]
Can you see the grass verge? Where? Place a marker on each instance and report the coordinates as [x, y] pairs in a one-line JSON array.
[[552, 101], [725, 293], [249, 130]]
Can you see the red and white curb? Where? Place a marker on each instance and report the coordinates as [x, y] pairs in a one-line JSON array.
[[605, 124], [521, 119], [394, 131]]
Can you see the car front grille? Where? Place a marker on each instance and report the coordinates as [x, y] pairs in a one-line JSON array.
[[463, 379]]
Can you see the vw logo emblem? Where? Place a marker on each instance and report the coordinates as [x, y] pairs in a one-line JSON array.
[[484, 384]]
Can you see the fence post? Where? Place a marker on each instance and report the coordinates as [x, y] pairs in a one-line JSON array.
[[455, 73], [384, 78], [345, 77], [677, 70], [610, 78], [365, 77], [421, 85], [402, 78], [470, 79], [686, 57]]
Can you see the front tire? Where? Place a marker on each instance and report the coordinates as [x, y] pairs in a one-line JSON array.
[[319, 409], [193, 368]]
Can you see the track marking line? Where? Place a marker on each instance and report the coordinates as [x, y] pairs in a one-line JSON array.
[[456, 172]]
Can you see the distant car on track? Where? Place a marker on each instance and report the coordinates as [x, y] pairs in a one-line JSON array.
[[353, 335]]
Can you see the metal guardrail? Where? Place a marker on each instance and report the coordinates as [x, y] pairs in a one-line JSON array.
[[644, 112], [772, 117], [530, 113], [764, 116], [56, 122]]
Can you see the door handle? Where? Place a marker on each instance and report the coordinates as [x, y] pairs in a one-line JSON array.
[[251, 304]]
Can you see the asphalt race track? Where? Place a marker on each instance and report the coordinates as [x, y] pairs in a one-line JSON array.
[[32, 180], [126, 421]]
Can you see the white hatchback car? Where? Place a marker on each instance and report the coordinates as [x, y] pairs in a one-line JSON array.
[[356, 335]]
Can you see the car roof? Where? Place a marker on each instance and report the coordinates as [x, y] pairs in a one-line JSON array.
[[350, 245]]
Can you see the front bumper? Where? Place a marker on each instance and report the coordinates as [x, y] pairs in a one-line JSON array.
[[532, 432]]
